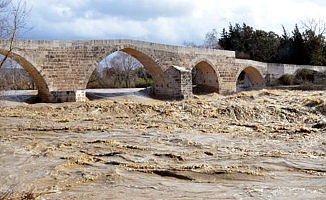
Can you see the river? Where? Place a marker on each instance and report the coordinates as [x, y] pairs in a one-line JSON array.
[[267, 144]]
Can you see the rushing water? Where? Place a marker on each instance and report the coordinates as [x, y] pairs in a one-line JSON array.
[[145, 156]]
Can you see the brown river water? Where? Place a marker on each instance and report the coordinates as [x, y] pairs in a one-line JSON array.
[[267, 144]]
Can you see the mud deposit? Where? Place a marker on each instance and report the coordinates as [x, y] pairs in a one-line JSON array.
[[266, 144]]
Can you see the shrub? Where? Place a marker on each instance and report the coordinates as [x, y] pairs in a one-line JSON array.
[[143, 83], [286, 79], [304, 75]]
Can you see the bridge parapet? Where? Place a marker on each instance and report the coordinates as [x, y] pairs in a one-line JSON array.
[[34, 44], [252, 63]]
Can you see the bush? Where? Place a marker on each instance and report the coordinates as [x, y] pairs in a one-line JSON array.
[[286, 79], [304, 75], [143, 82]]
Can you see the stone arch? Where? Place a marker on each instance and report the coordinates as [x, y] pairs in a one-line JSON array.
[[149, 63], [35, 73], [204, 76], [252, 77]]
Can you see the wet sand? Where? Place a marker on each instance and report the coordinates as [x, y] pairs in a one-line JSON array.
[[267, 144]]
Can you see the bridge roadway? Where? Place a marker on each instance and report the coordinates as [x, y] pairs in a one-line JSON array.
[[61, 69]]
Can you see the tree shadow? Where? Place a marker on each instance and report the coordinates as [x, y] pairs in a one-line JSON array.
[[20, 96]]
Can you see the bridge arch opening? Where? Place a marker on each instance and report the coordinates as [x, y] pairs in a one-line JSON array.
[[204, 78], [27, 75], [249, 78], [126, 68]]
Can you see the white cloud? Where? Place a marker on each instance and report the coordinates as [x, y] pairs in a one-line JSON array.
[[163, 21]]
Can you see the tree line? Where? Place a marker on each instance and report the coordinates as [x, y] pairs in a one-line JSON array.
[[307, 47]]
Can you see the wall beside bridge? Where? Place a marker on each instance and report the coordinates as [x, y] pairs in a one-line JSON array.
[[273, 71]]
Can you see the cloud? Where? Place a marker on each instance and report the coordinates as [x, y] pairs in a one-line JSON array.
[[164, 21], [141, 10]]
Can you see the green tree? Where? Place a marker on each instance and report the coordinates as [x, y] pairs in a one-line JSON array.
[[257, 45], [237, 39], [297, 48], [284, 50], [264, 46], [307, 47], [314, 47]]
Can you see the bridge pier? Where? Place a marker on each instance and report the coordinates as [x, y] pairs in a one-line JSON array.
[[66, 96], [178, 84]]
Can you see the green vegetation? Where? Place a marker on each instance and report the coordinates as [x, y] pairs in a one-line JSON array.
[[302, 76], [300, 47], [296, 48], [143, 82], [307, 79], [305, 75], [307, 47], [286, 79]]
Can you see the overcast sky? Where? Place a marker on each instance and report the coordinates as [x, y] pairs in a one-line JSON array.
[[162, 21]]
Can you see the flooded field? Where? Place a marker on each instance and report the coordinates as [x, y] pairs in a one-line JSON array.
[[267, 144]]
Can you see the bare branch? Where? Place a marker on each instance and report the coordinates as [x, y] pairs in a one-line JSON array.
[[13, 24], [4, 4], [317, 26]]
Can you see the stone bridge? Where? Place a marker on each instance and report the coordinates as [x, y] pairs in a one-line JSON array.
[[61, 69]]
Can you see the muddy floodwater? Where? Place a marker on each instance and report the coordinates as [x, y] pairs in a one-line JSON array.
[[266, 144]]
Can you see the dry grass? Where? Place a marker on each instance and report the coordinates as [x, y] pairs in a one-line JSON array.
[[10, 195]]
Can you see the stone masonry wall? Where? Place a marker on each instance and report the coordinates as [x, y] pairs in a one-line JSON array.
[[61, 69]]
